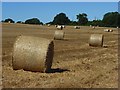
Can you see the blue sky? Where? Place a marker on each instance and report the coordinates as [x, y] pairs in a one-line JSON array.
[[46, 11]]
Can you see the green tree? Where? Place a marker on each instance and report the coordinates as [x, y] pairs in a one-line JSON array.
[[2, 21], [73, 23], [19, 22], [61, 19], [111, 19], [118, 21], [50, 23], [97, 22], [9, 20], [33, 21], [82, 18]]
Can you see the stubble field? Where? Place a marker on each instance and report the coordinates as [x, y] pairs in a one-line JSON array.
[[75, 63]]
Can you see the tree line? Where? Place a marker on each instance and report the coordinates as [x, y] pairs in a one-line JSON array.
[[110, 19]]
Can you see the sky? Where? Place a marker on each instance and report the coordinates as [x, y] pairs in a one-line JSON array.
[[60, 0], [46, 11]]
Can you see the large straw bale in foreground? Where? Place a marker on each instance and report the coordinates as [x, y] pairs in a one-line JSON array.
[[59, 35], [96, 40], [33, 53]]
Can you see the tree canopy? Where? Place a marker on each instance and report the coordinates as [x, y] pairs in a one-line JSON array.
[[61, 19], [35, 21], [96, 23], [9, 20], [111, 19], [19, 22], [82, 18]]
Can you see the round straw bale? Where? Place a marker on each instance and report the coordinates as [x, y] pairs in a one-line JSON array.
[[33, 53], [110, 30], [96, 40], [48, 25], [93, 27], [77, 27], [59, 27], [63, 26], [56, 25], [106, 30], [9, 22], [59, 35]]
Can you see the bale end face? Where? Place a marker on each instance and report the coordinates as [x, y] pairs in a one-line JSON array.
[[32, 54], [96, 40]]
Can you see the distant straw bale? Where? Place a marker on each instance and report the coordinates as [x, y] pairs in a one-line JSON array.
[[59, 35], [96, 40], [76, 27]]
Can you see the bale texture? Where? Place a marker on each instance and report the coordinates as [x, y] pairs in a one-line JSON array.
[[33, 54], [59, 35], [96, 40]]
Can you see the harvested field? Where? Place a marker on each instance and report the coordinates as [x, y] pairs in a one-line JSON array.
[[75, 63]]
